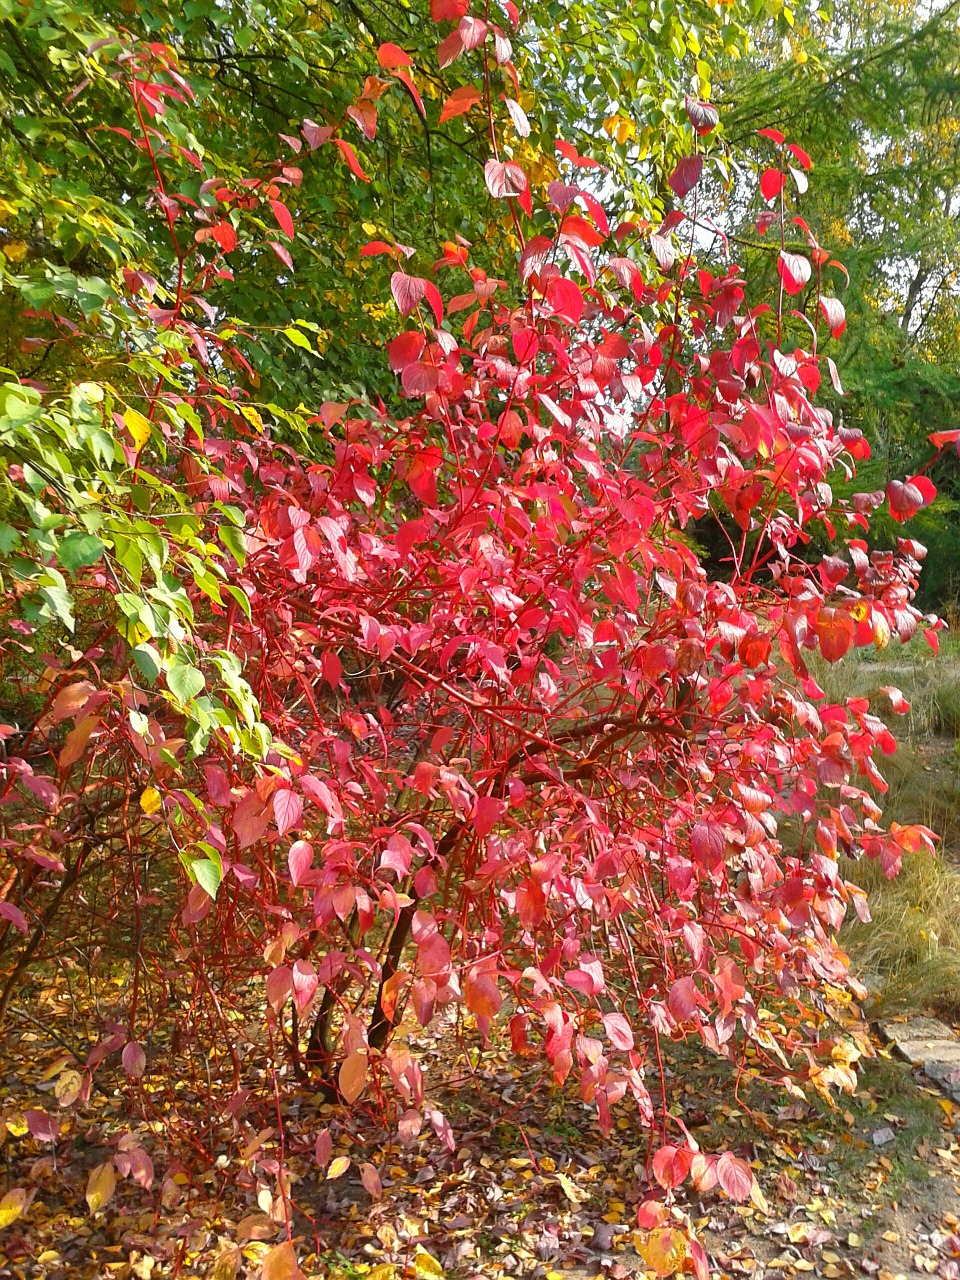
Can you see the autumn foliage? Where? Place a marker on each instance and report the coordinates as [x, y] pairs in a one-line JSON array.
[[437, 710]]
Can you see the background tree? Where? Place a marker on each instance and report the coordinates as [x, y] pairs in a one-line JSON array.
[[872, 93]]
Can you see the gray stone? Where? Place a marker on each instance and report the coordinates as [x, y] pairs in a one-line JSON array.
[[921, 1051], [916, 1029]]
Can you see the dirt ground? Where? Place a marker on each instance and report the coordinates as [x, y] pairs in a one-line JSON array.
[[531, 1189]]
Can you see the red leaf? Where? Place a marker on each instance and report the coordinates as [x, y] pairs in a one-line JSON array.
[[801, 157], [908, 496], [460, 102], [405, 79], [794, 271], [353, 164], [364, 116], [279, 984], [671, 1165], [683, 999], [472, 32], [371, 1181], [43, 1127], [504, 179], [225, 236], [375, 247], [565, 299], [16, 917], [450, 50], [448, 10], [282, 215], [304, 982], [773, 134], [772, 182], [420, 379], [708, 843], [570, 152], [686, 175], [940, 438], [480, 993], [702, 115], [391, 55], [134, 1060], [405, 349], [487, 812], [834, 314], [835, 630]]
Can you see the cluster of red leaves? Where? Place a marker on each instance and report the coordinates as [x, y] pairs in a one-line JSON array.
[[530, 759]]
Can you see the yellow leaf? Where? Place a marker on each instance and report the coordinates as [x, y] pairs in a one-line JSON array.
[[11, 1206], [56, 1067], [338, 1167], [16, 1125], [353, 1076], [15, 251], [281, 1263], [100, 1186], [570, 1190], [68, 1087], [426, 1264], [665, 1250], [758, 1198], [227, 1264], [48, 1255], [385, 1271], [138, 426], [150, 801]]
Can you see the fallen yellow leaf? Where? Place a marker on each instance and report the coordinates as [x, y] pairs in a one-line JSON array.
[[11, 1206], [100, 1186]]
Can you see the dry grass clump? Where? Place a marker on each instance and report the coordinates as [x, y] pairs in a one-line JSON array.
[[910, 952]]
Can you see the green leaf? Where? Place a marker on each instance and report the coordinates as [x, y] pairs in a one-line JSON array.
[[148, 660], [78, 550], [208, 875], [185, 682], [234, 541], [299, 340]]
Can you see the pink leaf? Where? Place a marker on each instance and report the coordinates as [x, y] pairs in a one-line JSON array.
[[134, 1059], [287, 809], [618, 1030], [504, 179], [371, 1181], [735, 1177], [43, 1127], [282, 253], [16, 917], [299, 860], [304, 982], [407, 291]]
